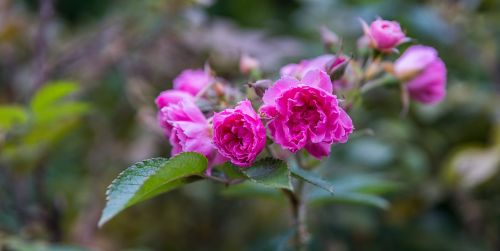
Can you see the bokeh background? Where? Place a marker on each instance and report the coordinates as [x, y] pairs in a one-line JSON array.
[[118, 55]]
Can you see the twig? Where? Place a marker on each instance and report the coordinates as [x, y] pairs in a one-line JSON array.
[[299, 213], [46, 12]]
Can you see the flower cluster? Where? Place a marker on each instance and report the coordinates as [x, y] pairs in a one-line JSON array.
[[305, 108]]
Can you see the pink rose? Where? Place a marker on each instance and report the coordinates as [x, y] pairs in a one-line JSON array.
[[171, 97], [300, 70], [239, 134], [192, 81], [189, 131], [384, 35], [424, 72], [305, 114], [166, 98]]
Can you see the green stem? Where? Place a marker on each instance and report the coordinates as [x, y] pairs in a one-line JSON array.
[[384, 80], [299, 214]]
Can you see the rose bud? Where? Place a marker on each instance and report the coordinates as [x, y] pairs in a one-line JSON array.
[[305, 114], [239, 134], [384, 35], [299, 70], [336, 67], [260, 86], [248, 64], [190, 131], [424, 73], [192, 81], [328, 37]]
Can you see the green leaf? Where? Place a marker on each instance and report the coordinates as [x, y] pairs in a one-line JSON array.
[[151, 177], [10, 115], [231, 171], [357, 190], [364, 184], [251, 189], [311, 178], [269, 172], [65, 110], [319, 197], [51, 94]]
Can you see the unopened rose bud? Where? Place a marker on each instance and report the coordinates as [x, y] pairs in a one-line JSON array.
[[384, 35], [261, 86], [336, 67], [328, 37], [219, 89], [248, 64]]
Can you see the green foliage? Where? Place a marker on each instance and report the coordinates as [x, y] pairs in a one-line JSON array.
[[358, 190], [11, 115], [51, 94], [251, 189], [230, 171], [149, 178], [51, 114], [311, 178], [18, 244], [269, 172]]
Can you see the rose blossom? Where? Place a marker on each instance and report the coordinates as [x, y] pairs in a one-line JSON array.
[[424, 72], [192, 81], [305, 114], [239, 134], [189, 131], [300, 70], [171, 97], [384, 35], [166, 98]]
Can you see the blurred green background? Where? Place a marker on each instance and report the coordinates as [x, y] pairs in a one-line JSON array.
[[114, 57]]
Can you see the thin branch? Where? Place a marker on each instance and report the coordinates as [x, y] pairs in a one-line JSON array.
[[299, 213], [46, 12]]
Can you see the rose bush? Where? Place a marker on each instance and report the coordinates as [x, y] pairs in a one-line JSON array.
[[216, 133]]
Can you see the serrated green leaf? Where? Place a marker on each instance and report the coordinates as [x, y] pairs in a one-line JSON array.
[[231, 171], [269, 172], [11, 115], [149, 178], [311, 178]]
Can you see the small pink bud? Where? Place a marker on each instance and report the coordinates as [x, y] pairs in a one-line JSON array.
[[384, 35], [248, 64], [261, 86], [328, 37], [336, 67]]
